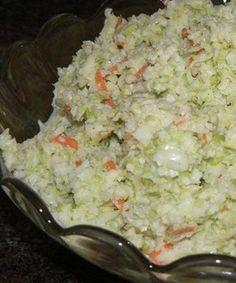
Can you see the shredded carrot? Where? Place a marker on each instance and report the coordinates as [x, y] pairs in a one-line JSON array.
[[168, 245], [110, 165], [140, 72], [109, 102], [154, 255], [67, 108], [113, 69], [120, 44], [119, 203], [190, 61], [127, 136], [199, 51], [100, 81], [78, 162], [184, 32], [180, 231], [157, 252], [66, 141], [180, 121], [191, 42], [204, 137], [119, 23]]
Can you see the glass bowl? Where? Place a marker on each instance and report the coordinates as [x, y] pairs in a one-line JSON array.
[[28, 71]]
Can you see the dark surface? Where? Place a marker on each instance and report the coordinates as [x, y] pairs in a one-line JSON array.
[[26, 254]]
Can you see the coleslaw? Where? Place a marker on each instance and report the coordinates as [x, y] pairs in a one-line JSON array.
[[142, 139]]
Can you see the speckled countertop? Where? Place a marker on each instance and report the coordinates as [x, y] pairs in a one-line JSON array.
[[26, 254]]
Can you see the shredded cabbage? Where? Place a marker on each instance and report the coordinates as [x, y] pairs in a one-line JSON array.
[[142, 139]]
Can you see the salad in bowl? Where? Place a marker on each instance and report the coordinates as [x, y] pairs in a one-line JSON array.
[[138, 155]]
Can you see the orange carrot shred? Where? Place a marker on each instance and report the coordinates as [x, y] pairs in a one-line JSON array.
[[205, 137], [127, 136], [168, 245], [119, 203], [184, 32], [113, 69], [191, 42], [180, 121], [78, 162], [199, 51], [109, 102], [154, 254], [67, 108], [180, 231], [120, 44], [110, 165], [100, 81], [190, 61], [66, 141], [141, 71]]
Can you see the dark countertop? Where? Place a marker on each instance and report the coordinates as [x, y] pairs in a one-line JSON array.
[[26, 254]]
